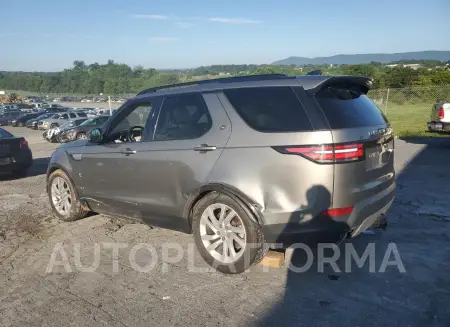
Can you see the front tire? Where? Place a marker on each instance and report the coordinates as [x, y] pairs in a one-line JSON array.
[[53, 125], [81, 136], [64, 198], [227, 236]]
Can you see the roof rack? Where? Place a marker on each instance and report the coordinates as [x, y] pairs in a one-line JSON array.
[[248, 78]]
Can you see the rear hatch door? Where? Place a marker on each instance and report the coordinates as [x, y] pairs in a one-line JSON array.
[[356, 121]]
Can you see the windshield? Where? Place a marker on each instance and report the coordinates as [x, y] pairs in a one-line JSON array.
[[43, 116], [89, 122], [4, 134], [67, 125]]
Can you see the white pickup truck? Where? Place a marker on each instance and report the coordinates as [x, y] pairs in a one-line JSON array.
[[440, 117]]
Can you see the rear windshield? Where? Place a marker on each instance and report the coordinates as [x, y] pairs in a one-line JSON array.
[[348, 108], [270, 109], [4, 134]]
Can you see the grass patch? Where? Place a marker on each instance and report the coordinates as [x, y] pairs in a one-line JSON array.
[[410, 120]]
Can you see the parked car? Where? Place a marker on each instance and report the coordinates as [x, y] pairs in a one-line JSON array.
[[440, 117], [53, 110], [240, 162], [38, 105], [22, 119], [33, 123], [7, 116], [80, 132], [52, 135], [15, 155], [59, 119]]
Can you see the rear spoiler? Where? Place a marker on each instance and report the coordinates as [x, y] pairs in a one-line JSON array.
[[363, 84]]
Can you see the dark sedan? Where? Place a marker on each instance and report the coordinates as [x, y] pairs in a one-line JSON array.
[[7, 116], [80, 132], [33, 123], [22, 119], [15, 155]]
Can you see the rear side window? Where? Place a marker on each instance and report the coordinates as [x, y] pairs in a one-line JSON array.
[[270, 109], [346, 108], [183, 117]]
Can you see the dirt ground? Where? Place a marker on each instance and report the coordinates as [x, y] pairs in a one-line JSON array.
[[124, 291]]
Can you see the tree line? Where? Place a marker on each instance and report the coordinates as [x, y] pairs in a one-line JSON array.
[[120, 79]]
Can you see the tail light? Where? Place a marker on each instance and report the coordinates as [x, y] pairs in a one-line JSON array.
[[441, 113], [23, 144], [333, 212], [330, 153]]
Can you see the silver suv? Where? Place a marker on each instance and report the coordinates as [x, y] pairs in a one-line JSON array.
[[59, 119], [239, 162]]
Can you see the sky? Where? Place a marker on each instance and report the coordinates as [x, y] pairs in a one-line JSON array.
[[48, 35]]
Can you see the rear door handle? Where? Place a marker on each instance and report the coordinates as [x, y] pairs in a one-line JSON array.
[[205, 147], [128, 151]]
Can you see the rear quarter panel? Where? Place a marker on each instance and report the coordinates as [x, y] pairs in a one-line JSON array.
[[286, 188]]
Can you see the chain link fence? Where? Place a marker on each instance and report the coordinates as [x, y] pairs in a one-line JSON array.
[[408, 109]]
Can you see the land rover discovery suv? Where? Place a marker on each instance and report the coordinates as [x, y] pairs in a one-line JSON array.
[[239, 162]]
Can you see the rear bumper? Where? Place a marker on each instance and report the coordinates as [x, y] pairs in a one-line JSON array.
[[21, 160], [289, 228], [437, 126]]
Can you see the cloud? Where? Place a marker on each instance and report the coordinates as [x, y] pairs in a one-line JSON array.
[[163, 39], [145, 16], [233, 20], [183, 24]]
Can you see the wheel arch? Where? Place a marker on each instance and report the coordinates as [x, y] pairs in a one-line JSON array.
[[54, 167], [252, 209]]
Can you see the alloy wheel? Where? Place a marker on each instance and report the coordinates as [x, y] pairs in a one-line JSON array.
[[61, 196], [223, 233]]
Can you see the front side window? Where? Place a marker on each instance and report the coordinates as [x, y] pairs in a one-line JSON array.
[[183, 117], [65, 116], [131, 127], [72, 115]]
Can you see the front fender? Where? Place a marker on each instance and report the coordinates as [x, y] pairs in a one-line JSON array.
[[61, 160]]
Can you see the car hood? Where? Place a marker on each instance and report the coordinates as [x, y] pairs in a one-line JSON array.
[[73, 144], [68, 130]]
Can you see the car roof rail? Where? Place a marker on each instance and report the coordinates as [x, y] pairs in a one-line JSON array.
[[247, 78]]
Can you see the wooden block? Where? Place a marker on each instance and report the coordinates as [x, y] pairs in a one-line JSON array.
[[273, 259]]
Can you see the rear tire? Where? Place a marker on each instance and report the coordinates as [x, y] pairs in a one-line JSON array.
[[230, 245], [63, 197], [20, 173]]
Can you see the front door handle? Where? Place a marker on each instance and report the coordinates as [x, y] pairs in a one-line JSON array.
[[128, 151], [205, 147]]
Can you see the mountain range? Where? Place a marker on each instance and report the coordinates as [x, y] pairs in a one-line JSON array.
[[353, 59]]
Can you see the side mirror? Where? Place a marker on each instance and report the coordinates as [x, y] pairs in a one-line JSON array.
[[95, 135]]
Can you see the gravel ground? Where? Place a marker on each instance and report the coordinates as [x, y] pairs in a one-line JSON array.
[[182, 292]]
